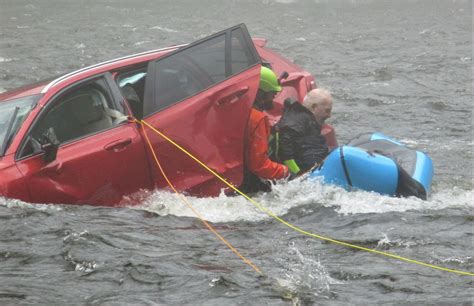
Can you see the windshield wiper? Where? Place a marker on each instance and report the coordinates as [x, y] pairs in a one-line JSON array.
[[9, 129]]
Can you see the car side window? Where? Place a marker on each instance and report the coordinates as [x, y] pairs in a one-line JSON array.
[[177, 79], [242, 56], [196, 67], [81, 111], [209, 56], [132, 87]]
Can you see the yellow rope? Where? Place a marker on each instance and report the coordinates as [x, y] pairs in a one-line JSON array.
[[299, 229], [194, 210]]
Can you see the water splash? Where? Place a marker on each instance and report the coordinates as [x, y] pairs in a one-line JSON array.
[[297, 193], [284, 197], [82, 266], [14, 203], [74, 237], [226, 209], [303, 274], [164, 29], [386, 243]]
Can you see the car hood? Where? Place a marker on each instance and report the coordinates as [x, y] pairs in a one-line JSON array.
[[24, 91], [8, 171], [3, 165]]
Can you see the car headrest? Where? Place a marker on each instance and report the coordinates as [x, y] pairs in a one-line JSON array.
[[85, 109]]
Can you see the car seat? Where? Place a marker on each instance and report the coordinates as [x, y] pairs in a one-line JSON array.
[[89, 113]]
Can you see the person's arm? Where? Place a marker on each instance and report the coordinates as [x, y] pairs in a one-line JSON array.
[[286, 153], [329, 134], [258, 161]]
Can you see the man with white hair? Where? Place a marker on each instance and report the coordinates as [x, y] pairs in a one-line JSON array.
[[301, 144], [319, 102]]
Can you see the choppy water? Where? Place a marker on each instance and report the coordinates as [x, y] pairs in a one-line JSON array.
[[403, 68]]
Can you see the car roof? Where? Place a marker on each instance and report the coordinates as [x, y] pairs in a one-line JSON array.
[[43, 86]]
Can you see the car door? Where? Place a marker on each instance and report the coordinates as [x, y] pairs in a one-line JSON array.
[[100, 156], [200, 96]]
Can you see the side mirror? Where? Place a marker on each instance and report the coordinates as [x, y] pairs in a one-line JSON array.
[[49, 145], [50, 150]]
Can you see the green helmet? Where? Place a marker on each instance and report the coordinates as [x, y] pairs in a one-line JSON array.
[[268, 80]]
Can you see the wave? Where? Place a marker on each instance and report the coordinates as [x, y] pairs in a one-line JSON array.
[[301, 193], [283, 198]]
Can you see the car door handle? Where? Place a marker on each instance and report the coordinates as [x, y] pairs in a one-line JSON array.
[[118, 145], [233, 96]]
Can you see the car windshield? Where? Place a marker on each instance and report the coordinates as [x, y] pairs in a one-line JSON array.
[[12, 115]]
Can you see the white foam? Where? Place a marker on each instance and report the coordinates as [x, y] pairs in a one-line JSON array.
[[164, 29], [286, 1], [5, 60], [139, 43], [13, 203], [458, 259], [297, 193], [284, 196], [226, 209], [409, 142], [386, 242]]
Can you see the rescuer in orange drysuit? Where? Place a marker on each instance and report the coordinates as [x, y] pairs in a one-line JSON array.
[[258, 164]]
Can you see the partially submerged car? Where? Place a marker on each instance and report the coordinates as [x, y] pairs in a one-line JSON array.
[[73, 140]]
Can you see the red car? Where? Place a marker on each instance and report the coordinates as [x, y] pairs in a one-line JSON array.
[[72, 140]]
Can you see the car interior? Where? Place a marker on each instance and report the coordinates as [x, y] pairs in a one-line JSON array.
[[182, 74], [77, 114], [173, 85], [132, 86], [88, 113]]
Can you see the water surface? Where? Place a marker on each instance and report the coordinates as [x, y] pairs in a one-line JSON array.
[[403, 68]]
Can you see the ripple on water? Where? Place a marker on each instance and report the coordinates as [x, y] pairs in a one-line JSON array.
[[161, 259], [382, 74], [438, 105]]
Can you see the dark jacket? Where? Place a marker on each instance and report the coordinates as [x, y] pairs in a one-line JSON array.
[[300, 136]]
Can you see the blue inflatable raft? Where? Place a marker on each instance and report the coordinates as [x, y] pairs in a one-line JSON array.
[[374, 162]]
